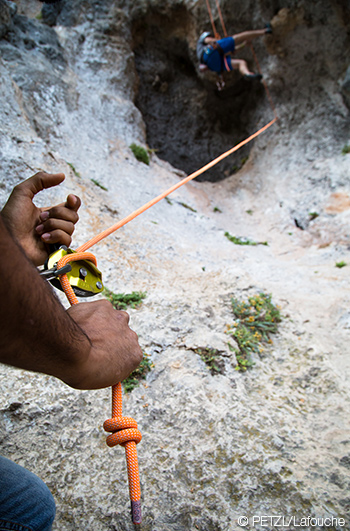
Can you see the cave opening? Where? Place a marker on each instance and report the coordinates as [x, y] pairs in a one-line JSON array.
[[188, 121]]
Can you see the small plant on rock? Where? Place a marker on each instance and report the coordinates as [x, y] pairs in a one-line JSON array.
[[140, 153], [97, 183], [237, 240], [256, 319], [74, 170], [211, 358], [138, 374], [121, 301], [340, 264]]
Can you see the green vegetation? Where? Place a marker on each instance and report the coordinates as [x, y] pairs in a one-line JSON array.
[[188, 207], [100, 185], [138, 374], [313, 215], [256, 319], [340, 264], [76, 173], [168, 200], [217, 209], [250, 212], [121, 301], [140, 153], [242, 241], [346, 149], [211, 358]]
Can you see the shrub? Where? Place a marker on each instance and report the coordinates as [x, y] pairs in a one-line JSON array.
[[140, 153], [255, 321]]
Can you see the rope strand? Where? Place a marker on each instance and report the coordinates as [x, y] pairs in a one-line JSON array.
[[148, 205], [124, 429], [221, 18], [215, 33]]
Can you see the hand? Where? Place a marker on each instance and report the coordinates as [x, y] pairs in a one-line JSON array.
[[34, 228], [114, 353]]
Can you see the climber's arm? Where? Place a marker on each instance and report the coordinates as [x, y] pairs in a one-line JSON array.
[[88, 346]]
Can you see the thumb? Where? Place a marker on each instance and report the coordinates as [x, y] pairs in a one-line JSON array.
[[73, 202], [39, 182]]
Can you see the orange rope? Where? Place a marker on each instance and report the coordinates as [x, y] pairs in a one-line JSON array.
[[124, 429], [148, 205], [221, 18], [215, 33]]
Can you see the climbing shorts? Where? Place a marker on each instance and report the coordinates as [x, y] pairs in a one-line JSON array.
[[216, 61], [26, 504]]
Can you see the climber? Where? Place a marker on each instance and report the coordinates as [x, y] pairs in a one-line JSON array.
[[89, 346], [215, 54]]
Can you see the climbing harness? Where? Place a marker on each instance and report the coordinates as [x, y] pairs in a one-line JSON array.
[[78, 275]]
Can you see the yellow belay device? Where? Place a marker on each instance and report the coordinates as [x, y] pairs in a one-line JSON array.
[[83, 275]]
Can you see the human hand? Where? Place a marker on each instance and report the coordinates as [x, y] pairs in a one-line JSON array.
[[34, 228], [114, 352]]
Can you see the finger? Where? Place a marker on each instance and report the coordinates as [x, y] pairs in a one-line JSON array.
[[39, 182], [57, 236], [73, 202], [59, 212], [55, 224]]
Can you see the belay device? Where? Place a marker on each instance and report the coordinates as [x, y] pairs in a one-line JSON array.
[[83, 275]]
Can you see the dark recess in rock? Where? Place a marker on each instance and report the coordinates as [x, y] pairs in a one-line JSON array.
[[188, 121]]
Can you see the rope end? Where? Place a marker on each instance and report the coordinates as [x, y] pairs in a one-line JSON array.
[[136, 512]]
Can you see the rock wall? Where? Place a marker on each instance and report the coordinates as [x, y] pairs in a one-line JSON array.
[[78, 85]]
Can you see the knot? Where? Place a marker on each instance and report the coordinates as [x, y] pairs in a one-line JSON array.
[[123, 430]]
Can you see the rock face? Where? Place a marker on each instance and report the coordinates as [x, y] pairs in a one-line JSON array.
[[81, 81]]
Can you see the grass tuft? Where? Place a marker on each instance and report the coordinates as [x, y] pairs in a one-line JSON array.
[[121, 301], [97, 183], [242, 241], [74, 170], [255, 320], [340, 264], [140, 153], [138, 374], [211, 358]]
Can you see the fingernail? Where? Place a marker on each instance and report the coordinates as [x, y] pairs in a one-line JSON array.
[[39, 229], [46, 236], [75, 199], [44, 215]]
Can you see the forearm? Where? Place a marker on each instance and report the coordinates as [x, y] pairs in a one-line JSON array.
[[37, 333]]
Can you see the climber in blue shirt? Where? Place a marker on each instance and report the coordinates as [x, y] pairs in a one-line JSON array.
[[215, 54]]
